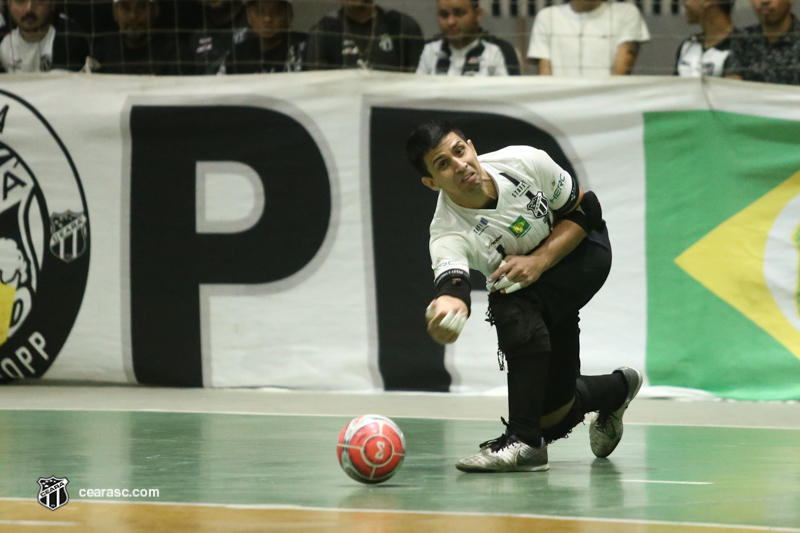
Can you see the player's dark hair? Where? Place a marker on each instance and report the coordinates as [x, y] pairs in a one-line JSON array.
[[726, 6], [425, 138]]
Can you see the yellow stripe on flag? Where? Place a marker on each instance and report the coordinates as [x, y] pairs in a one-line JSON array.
[[729, 262]]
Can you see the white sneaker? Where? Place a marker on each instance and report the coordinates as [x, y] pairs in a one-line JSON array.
[[605, 431], [506, 454]]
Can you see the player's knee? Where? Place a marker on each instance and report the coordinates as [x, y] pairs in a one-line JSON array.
[[518, 322]]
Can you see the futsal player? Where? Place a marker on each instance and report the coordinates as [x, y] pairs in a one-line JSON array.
[[525, 223]]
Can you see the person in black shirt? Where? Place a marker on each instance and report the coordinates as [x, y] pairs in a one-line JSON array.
[[270, 46], [770, 50], [224, 25], [137, 48], [363, 35]]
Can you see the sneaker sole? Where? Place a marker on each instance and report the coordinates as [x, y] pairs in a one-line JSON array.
[[479, 470]]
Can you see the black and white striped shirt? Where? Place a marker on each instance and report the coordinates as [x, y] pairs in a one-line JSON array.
[[485, 56]]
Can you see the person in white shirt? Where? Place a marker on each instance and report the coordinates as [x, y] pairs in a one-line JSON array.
[[38, 43], [524, 222], [590, 38], [463, 48], [705, 53]]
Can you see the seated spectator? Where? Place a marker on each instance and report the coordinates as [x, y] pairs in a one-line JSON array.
[[770, 50], [363, 35], [705, 53], [137, 48], [589, 38], [464, 49], [270, 46], [225, 24], [41, 41]]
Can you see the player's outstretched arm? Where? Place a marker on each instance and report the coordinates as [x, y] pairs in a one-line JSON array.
[[446, 317]]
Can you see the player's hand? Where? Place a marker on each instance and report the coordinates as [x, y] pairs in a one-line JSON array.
[[446, 316], [516, 272]]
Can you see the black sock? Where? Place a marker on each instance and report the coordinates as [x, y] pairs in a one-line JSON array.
[[606, 392], [527, 376]]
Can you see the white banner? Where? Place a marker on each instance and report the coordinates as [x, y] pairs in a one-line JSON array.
[[317, 323]]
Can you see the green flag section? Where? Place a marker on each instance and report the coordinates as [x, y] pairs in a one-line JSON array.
[[723, 253]]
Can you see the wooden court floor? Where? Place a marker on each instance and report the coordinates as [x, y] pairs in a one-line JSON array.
[[270, 467]]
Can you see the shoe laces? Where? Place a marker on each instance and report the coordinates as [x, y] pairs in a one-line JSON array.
[[602, 421], [500, 442]]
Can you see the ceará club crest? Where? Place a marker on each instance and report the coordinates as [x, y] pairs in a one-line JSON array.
[[44, 241]]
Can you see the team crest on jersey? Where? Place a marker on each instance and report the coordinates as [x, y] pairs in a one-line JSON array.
[[520, 227], [386, 44], [538, 205], [44, 241]]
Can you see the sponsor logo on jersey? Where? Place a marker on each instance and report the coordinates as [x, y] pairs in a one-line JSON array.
[[495, 241], [520, 190], [44, 241], [559, 187], [481, 226], [538, 205], [520, 227]]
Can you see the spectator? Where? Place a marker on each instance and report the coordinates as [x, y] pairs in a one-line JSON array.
[[41, 41], [270, 46], [137, 48], [705, 53], [770, 50], [363, 35], [225, 24], [589, 38], [464, 49]]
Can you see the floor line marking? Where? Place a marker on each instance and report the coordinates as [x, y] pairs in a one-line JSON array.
[[36, 523], [292, 507], [346, 415], [669, 482]]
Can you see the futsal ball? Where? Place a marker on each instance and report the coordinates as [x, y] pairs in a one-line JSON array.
[[371, 448]]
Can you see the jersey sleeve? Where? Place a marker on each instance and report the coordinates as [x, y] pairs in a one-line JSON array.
[[449, 256], [427, 60], [539, 47], [633, 28], [559, 187]]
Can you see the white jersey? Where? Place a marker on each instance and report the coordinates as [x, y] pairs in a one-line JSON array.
[[696, 61], [486, 56], [18, 55], [530, 188], [585, 44]]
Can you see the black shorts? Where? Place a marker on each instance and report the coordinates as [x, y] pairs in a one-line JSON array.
[[563, 290]]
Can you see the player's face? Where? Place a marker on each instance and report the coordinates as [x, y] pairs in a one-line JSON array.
[[454, 167], [269, 18], [772, 12], [458, 21], [135, 17], [31, 15]]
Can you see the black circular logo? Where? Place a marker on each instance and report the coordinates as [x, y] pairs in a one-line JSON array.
[[44, 241]]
